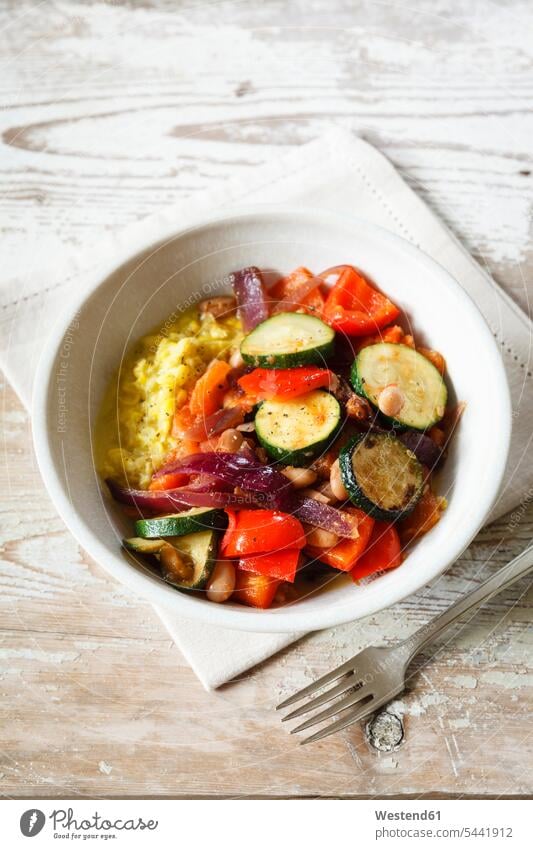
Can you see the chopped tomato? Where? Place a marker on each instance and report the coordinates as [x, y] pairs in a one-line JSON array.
[[347, 552], [273, 564], [425, 515], [257, 531], [384, 551], [169, 481], [264, 383], [254, 590], [293, 292], [314, 302], [291, 283], [208, 393], [355, 308]]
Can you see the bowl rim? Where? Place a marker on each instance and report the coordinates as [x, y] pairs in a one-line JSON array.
[[289, 618]]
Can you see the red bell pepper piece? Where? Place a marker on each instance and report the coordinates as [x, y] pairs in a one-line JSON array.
[[264, 383], [169, 481], [273, 564], [254, 590], [355, 308], [384, 551], [347, 552], [257, 531]]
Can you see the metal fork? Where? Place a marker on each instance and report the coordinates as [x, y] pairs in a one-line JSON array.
[[376, 675]]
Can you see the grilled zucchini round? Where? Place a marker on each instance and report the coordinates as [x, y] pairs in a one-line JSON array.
[[288, 339], [296, 430], [381, 475], [421, 385]]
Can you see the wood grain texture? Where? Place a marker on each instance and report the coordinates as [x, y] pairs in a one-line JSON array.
[[112, 110]]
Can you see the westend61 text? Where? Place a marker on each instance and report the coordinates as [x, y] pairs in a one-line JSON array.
[[407, 815]]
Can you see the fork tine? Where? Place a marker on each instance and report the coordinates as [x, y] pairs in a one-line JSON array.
[[337, 707], [320, 682], [367, 709], [346, 684]]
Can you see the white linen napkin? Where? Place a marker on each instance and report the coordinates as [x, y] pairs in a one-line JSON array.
[[339, 172]]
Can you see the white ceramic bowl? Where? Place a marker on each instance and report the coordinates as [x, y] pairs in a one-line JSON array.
[[145, 284]]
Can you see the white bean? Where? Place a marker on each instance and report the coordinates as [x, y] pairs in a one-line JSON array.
[[321, 538], [299, 478], [222, 582], [173, 564], [230, 440], [236, 360], [316, 495], [391, 400], [335, 482]]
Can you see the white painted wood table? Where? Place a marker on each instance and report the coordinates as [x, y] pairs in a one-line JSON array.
[[112, 109]]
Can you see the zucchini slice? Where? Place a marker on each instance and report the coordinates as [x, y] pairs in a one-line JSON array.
[[296, 430], [180, 524], [199, 549], [381, 475], [143, 546], [288, 339], [422, 386]]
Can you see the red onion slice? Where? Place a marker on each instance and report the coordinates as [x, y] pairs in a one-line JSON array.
[[170, 500], [334, 273], [323, 516], [423, 447], [238, 469], [250, 293]]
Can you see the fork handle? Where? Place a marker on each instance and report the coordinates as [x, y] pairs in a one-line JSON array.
[[503, 578]]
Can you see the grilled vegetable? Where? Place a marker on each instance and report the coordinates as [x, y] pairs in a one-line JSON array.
[[381, 475], [417, 383], [354, 307], [208, 393], [288, 339], [345, 554], [195, 560], [426, 514], [298, 429], [299, 290], [340, 522], [249, 291], [253, 532], [384, 551], [143, 546], [423, 447], [263, 384], [274, 564], [165, 482], [254, 590], [180, 524]]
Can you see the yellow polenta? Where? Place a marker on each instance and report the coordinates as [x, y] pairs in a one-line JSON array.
[[133, 430]]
